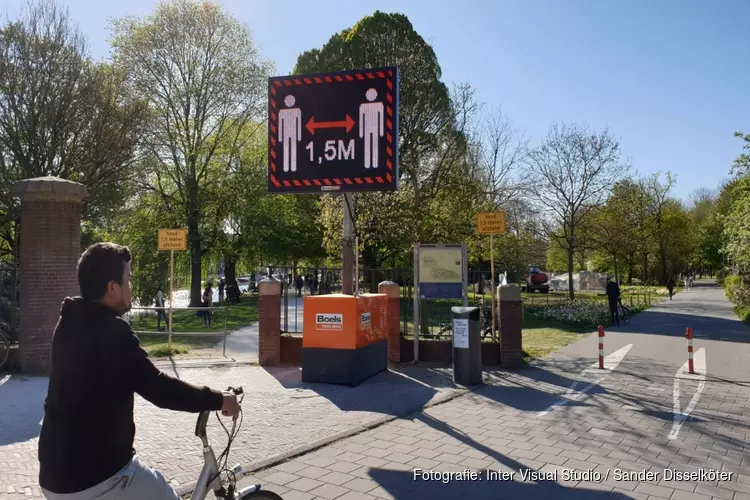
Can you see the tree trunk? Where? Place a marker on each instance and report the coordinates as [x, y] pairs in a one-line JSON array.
[[194, 245], [630, 270], [617, 274], [644, 256], [230, 270], [571, 288], [195, 264]]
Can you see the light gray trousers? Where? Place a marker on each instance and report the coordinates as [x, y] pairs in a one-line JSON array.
[[135, 481]]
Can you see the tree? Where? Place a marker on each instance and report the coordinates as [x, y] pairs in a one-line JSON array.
[[204, 81], [610, 229], [432, 144], [741, 165], [571, 174], [63, 115], [658, 196]]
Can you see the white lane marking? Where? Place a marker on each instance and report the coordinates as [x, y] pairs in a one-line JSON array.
[[4, 379], [610, 363], [699, 360]]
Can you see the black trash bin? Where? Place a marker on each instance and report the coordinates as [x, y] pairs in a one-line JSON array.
[[467, 347]]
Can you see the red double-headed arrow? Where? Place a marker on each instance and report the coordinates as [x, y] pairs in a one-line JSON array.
[[348, 123]]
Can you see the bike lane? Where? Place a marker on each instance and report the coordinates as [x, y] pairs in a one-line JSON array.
[[641, 428]]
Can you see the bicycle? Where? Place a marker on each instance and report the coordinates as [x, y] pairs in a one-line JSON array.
[[485, 322], [210, 476], [5, 345], [623, 312]]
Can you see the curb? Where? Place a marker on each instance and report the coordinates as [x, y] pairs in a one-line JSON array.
[[320, 443], [203, 364]]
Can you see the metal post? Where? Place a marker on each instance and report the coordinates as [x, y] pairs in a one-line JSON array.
[[171, 298], [347, 257], [224, 352], [492, 285], [285, 291], [416, 303], [465, 273], [356, 265]]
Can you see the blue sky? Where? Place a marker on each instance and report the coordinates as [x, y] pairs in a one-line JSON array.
[[670, 79]]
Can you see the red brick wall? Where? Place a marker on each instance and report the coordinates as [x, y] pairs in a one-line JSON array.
[[393, 319], [269, 324], [511, 322], [49, 252]]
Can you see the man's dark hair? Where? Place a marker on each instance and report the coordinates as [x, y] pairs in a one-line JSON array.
[[100, 264]]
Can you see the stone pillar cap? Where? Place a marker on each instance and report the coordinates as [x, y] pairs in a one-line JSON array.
[[49, 188]]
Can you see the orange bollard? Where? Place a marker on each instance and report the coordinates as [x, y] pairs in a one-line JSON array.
[[689, 337], [601, 347]]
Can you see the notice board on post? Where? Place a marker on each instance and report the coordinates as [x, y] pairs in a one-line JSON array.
[[333, 132], [442, 270]]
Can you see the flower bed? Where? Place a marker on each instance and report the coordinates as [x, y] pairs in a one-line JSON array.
[[579, 312]]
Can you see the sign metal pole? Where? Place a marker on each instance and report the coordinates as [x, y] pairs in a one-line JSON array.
[[492, 283], [171, 297], [415, 306]]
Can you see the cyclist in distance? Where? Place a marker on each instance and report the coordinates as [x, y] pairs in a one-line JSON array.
[[86, 442], [613, 296]]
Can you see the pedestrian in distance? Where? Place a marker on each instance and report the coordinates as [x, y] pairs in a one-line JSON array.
[[85, 446], [613, 297], [208, 301], [160, 311], [221, 291], [670, 287]]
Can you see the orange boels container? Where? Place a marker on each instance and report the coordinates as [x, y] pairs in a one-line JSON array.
[[344, 338], [340, 321], [330, 321]]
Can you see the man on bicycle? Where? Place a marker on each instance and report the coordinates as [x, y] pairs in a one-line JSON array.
[[613, 296], [86, 442]]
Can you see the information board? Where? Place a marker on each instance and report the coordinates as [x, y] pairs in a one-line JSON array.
[[441, 271], [333, 131]]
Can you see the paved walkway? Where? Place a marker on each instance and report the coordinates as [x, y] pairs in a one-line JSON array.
[[242, 344], [281, 414], [627, 430]]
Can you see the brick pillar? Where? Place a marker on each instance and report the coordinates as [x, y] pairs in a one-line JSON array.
[[511, 323], [50, 236], [269, 321], [393, 291]]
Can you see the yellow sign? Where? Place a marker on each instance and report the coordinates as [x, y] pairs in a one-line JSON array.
[[491, 222], [172, 239]]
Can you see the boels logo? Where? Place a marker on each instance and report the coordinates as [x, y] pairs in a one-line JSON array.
[[364, 320], [329, 321]]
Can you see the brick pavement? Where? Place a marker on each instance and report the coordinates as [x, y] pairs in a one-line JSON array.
[[620, 427], [281, 414]]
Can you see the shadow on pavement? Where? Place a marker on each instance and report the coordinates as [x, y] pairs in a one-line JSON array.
[[660, 322], [401, 484], [534, 389], [400, 390], [22, 409]]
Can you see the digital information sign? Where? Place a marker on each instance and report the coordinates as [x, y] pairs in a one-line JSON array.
[[333, 132]]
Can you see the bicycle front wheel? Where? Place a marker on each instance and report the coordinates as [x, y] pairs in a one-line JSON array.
[[262, 495]]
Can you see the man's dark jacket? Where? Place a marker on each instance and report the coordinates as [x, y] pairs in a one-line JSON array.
[[97, 366], [613, 292]]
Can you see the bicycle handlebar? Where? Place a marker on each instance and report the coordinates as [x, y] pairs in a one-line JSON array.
[[236, 391]]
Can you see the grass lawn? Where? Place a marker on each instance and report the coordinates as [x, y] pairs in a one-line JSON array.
[[541, 336], [156, 343]]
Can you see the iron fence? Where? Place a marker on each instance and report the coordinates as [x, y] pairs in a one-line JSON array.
[[199, 331], [9, 310]]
